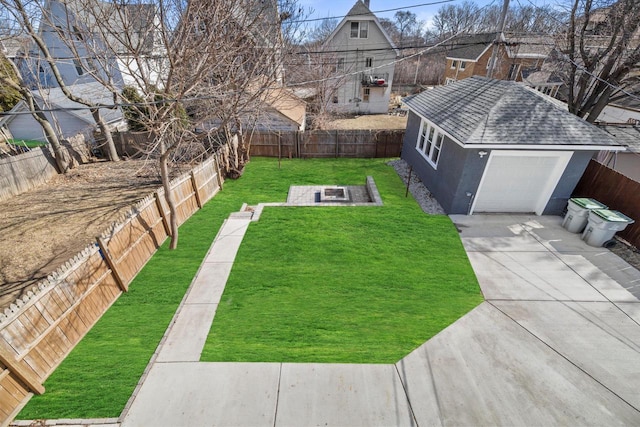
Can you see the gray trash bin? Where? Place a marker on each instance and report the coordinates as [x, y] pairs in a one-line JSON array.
[[603, 225], [578, 212]]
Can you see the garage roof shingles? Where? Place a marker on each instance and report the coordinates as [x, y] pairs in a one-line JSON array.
[[478, 110]]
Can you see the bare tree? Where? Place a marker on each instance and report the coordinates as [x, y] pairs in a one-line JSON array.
[[602, 49], [321, 32], [13, 80], [452, 19], [71, 34], [200, 69]]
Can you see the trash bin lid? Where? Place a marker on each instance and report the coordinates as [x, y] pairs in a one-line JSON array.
[[612, 216], [587, 203]]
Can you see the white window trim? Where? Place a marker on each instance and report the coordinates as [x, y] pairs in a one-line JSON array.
[[454, 64], [434, 146], [361, 24], [463, 65], [366, 94]]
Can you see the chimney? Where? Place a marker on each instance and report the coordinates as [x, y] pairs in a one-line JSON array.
[[366, 3]]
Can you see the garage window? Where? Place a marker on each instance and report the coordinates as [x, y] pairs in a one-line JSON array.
[[430, 142]]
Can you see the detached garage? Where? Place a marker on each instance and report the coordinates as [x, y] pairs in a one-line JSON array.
[[483, 145]]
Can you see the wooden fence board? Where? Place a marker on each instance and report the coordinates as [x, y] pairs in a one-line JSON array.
[[42, 331], [616, 191], [328, 143]]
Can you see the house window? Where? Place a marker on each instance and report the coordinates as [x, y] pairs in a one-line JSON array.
[[366, 92], [454, 65], [463, 65], [449, 80], [340, 64], [430, 143], [78, 66], [368, 62], [359, 29]]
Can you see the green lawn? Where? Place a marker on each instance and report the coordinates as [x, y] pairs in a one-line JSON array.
[[27, 142], [318, 284], [343, 284]]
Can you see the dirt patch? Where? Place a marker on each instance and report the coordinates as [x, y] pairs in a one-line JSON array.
[[373, 121], [43, 228]]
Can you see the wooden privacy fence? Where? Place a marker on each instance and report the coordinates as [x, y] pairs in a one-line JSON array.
[[328, 143], [38, 331], [615, 190], [28, 170]]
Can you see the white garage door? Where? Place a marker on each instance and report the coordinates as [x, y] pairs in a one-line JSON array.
[[517, 181]]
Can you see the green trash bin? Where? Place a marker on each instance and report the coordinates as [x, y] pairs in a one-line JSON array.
[[578, 212], [603, 225]]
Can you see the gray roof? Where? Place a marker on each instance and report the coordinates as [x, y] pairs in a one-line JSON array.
[[529, 46], [359, 9], [470, 46], [95, 92], [478, 110], [628, 135]]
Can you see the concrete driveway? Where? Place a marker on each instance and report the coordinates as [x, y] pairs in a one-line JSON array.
[[557, 342]]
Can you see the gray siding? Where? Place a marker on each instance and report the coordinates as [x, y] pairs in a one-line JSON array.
[[572, 174], [358, 50], [458, 172]]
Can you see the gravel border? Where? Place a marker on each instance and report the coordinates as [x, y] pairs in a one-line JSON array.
[[420, 193]]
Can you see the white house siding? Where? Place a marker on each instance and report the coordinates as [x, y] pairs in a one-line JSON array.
[[613, 114], [24, 126], [359, 49]]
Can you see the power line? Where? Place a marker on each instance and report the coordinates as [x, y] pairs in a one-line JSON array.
[[373, 12]]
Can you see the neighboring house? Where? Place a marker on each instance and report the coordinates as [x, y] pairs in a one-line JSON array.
[[285, 111], [519, 58], [11, 46], [75, 67], [275, 109], [626, 162], [67, 117], [470, 55], [364, 58], [623, 108], [483, 145]]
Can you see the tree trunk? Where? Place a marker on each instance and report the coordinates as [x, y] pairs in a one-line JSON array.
[[112, 153], [59, 153], [168, 196]]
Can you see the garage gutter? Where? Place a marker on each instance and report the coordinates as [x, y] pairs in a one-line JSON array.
[[544, 147]]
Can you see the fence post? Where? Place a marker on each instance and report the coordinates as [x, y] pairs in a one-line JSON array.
[[106, 255], [14, 366], [194, 184], [217, 168], [165, 223], [337, 146]]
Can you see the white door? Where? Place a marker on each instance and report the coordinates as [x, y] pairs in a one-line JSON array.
[[519, 181]]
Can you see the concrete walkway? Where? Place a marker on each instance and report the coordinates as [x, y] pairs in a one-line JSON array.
[[557, 342]]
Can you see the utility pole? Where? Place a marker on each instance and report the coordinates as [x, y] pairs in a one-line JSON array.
[[496, 43]]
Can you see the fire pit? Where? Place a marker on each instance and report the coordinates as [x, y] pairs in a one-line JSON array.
[[334, 194]]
